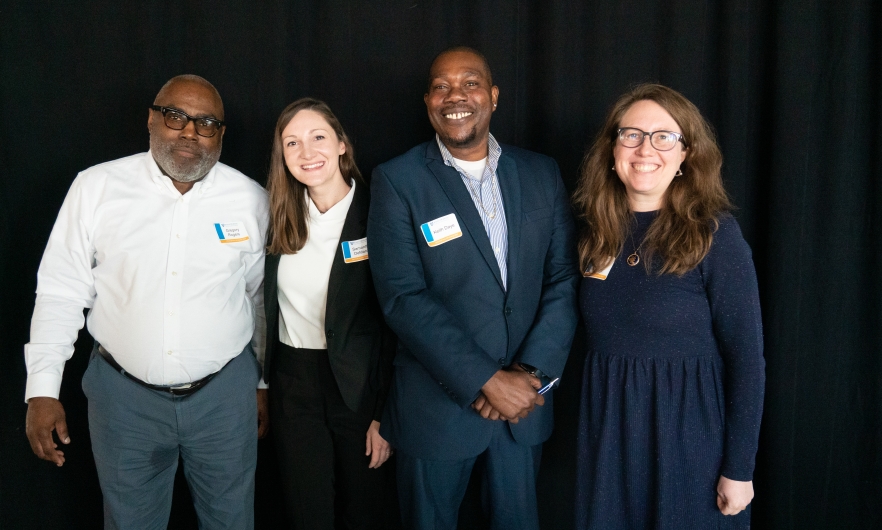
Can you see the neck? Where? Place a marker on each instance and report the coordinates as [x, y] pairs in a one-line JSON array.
[[471, 153], [327, 195], [644, 204], [182, 187]]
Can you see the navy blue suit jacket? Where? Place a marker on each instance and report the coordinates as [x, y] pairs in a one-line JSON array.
[[455, 322]]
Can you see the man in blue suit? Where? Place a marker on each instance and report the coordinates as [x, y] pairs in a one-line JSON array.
[[474, 264]]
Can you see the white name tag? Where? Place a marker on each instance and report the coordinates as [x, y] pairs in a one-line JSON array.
[[441, 230], [354, 250], [231, 232], [599, 275]]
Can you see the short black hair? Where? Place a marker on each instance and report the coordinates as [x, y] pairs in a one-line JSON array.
[[467, 49]]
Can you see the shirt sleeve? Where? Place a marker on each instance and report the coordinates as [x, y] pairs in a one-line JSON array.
[[254, 272], [733, 295], [65, 286]]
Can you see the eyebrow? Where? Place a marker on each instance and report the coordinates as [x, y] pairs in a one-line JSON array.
[[307, 132]]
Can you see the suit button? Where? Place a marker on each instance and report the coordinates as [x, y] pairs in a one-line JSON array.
[[502, 361], [507, 311], [330, 333]]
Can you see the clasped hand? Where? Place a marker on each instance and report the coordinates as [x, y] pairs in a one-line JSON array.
[[509, 395]]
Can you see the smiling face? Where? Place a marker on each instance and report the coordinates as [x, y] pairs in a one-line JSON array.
[[312, 151], [645, 171], [184, 155], [460, 101]]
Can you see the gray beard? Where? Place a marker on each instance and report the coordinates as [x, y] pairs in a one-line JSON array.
[[191, 172]]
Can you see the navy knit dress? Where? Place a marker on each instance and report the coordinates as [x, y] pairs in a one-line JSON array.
[[672, 389]]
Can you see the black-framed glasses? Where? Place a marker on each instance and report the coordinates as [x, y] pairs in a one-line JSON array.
[[660, 140], [178, 119]]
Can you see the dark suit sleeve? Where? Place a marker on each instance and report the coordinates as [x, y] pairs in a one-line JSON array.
[[384, 375], [548, 342], [428, 330]]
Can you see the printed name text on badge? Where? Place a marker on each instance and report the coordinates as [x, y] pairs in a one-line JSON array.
[[231, 232], [441, 230], [354, 250]]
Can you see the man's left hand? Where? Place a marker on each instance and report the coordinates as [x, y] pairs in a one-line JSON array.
[[262, 413]]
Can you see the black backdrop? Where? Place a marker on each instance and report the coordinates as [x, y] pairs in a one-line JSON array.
[[792, 86]]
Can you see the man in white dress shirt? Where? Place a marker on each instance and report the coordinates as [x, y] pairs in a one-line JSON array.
[[166, 250]]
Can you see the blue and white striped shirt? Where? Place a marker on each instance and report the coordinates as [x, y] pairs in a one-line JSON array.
[[488, 200]]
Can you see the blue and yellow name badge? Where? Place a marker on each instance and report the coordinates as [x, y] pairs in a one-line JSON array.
[[355, 250], [231, 232], [441, 230], [599, 275]]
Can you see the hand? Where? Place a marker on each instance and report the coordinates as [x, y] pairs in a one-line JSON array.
[[263, 423], [376, 446], [733, 495], [512, 393], [45, 414], [485, 409]]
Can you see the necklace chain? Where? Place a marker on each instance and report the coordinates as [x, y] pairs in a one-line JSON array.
[[634, 258], [492, 214]]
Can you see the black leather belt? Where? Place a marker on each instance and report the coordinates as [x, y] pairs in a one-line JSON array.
[[178, 390]]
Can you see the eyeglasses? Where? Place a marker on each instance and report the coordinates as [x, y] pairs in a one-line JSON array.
[[178, 119], [660, 140]]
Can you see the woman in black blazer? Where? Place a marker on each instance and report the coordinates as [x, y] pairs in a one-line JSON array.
[[329, 353]]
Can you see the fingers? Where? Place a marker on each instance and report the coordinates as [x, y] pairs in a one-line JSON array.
[[733, 496], [45, 415], [263, 423]]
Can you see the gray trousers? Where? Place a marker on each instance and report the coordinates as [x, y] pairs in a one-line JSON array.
[[138, 434]]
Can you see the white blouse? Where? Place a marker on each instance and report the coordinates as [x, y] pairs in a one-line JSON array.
[[303, 278]]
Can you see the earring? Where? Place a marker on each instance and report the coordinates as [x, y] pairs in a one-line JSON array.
[[613, 168], [679, 173]]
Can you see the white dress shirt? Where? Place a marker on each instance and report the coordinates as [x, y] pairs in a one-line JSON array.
[[166, 295], [303, 277]]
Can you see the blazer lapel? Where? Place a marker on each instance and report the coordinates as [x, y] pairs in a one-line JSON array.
[[353, 229], [462, 201], [510, 188]]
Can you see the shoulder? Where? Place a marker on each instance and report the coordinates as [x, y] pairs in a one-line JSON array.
[[728, 242], [416, 156], [234, 180], [539, 165], [132, 165]]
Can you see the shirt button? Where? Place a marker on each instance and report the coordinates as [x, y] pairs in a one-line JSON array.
[[171, 313], [169, 352], [174, 273], [178, 236], [497, 250], [502, 361]]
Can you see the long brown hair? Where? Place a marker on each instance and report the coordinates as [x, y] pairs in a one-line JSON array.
[[288, 229], [691, 206]]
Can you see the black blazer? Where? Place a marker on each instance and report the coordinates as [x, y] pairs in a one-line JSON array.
[[360, 345]]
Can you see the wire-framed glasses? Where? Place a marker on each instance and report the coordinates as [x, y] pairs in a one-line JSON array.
[[660, 140]]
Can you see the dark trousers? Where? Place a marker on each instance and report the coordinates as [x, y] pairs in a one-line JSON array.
[[321, 446], [431, 491]]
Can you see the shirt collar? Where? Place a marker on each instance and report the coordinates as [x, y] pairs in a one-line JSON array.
[[494, 151]]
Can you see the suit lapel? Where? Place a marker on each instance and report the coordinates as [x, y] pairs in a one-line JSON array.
[[353, 228], [466, 212], [510, 188]]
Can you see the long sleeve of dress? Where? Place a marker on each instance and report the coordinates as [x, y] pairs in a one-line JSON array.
[[731, 286]]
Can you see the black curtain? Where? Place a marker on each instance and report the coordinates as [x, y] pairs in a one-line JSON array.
[[793, 88]]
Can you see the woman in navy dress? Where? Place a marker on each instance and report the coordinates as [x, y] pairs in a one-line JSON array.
[[674, 374]]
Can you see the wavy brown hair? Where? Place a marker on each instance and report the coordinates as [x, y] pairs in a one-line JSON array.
[[288, 229], [691, 206]]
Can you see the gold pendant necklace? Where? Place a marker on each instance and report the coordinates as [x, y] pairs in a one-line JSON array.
[[634, 258]]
